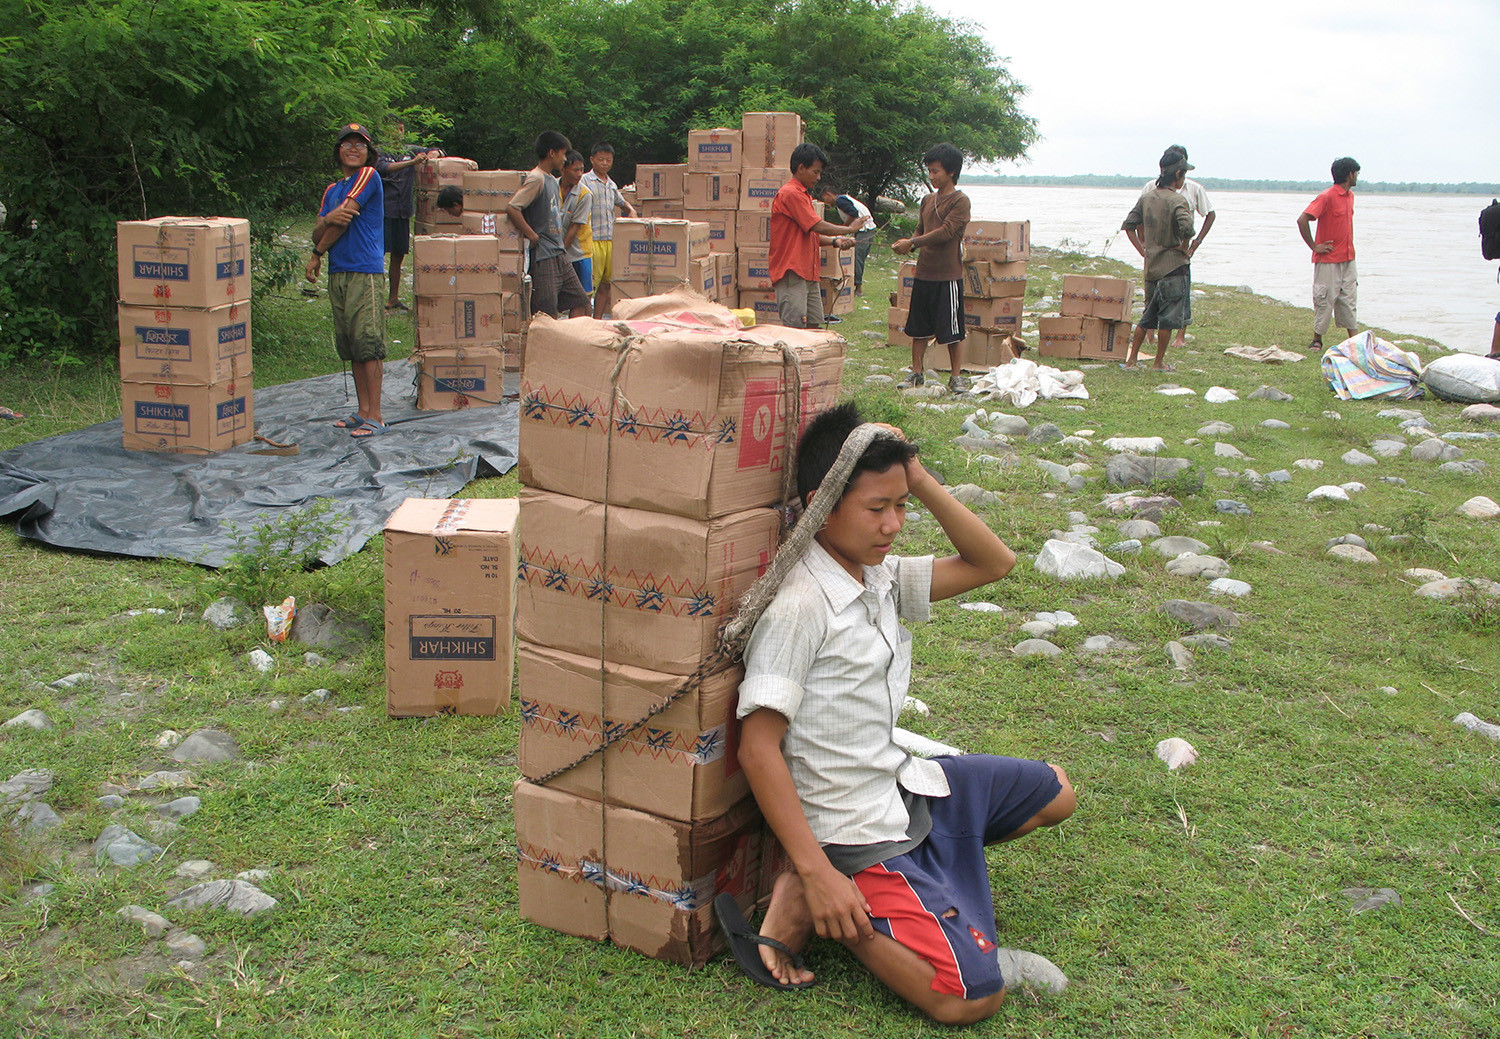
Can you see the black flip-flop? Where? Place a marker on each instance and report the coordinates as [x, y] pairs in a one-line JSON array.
[[743, 941]]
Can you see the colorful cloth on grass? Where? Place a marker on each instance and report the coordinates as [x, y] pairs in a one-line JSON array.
[[1366, 366]]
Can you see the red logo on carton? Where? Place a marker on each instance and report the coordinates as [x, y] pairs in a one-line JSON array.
[[448, 680], [758, 423], [163, 392]]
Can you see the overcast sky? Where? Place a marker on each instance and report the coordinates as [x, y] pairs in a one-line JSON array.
[[1267, 89]]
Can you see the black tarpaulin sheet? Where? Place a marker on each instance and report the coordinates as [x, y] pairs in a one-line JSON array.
[[82, 490]]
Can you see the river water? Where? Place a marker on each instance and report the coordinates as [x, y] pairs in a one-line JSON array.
[[1420, 270]]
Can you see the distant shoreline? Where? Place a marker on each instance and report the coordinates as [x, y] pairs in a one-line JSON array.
[[1098, 180]]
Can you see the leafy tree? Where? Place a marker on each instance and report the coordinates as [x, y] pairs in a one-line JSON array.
[[125, 109]]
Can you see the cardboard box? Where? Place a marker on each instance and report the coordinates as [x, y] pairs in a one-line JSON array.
[[661, 209], [714, 151], [985, 279], [762, 303], [768, 139], [1002, 241], [721, 227], [662, 875], [513, 349], [838, 295], [906, 277], [660, 181], [1004, 315], [184, 261], [683, 764], [463, 265], [982, 350], [642, 289], [496, 225], [758, 190], [659, 597], [704, 273], [184, 345], [187, 419], [450, 568], [458, 377], [712, 191], [657, 251], [428, 215], [752, 228], [729, 271], [473, 319], [699, 420], [753, 267], [1107, 298], [490, 191], [895, 327], [834, 262], [448, 172], [1083, 337]]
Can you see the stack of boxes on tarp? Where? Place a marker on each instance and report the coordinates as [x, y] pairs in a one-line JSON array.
[[652, 451], [184, 314], [1095, 319], [450, 571], [995, 255], [472, 301]]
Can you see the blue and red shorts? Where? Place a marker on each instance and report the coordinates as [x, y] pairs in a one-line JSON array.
[[935, 899]]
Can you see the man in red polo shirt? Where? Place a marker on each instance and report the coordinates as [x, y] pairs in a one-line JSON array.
[[1335, 283], [796, 233]]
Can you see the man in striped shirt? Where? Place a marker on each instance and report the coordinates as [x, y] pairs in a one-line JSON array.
[[608, 204], [351, 232]]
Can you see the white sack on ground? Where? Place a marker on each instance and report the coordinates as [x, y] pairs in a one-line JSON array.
[[1464, 379], [1021, 382]]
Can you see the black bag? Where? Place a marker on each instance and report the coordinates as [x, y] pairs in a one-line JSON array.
[[1489, 231]]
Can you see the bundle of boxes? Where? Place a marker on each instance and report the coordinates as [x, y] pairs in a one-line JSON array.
[[472, 303], [1094, 321], [727, 184], [994, 287], [652, 459], [184, 318]]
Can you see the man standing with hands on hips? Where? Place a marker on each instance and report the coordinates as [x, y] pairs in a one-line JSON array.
[[1335, 283]]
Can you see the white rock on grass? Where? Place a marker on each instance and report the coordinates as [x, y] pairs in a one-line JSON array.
[[187, 945], [1219, 395], [1353, 457], [1275, 423], [1172, 547], [1136, 445], [1062, 618], [32, 719], [1222, 450], [1309, 463], [1454, 587], [1180, 656], [154, 924], [1228, 586], [1175, 391], [1215, 429], [1191, 565], [1027, 970], [1328, 491], [261, 661], [1479, 507], [1480, 413], [1352, 487], [195, 869], [1039, 629], [235, 896], [1353, 554], [1423, 574], [1035, 648], [1176, 753], [1069, 562], [167, 739], [1473, 724], [76, 679], [982, 607]]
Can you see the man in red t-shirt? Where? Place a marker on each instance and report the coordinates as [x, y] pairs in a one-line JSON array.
[[796, 233], [1335, 283]]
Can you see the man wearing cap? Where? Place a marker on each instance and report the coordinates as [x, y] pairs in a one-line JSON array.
[[1160, 226], [351, 232], [1198, 202], [1335, 283]]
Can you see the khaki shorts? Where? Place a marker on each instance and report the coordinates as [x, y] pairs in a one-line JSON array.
[[604, 255], [800, 301], [358, 299], [1335, 295]]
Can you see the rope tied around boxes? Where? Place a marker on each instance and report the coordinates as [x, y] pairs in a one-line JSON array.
[[736, 632]]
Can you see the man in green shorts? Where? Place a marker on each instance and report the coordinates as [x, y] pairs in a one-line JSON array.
[[351, 232]]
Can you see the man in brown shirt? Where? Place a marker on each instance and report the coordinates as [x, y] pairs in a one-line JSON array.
[[937, 295], [1167, 221]]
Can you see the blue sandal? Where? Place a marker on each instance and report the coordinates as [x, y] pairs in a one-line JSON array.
[[369, 428]]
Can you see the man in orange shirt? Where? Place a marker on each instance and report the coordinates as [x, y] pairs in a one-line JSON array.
[[1335, 283], [796, 233]]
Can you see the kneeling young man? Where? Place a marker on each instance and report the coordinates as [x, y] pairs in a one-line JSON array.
[[887, 849]]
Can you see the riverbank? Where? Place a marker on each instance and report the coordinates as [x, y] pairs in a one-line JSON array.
[[1211, 901]]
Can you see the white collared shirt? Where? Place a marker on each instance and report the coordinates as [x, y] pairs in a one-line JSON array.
[[1197, 198], [832, 657]]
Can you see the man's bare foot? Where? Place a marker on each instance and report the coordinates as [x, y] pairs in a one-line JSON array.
[[789, 921]]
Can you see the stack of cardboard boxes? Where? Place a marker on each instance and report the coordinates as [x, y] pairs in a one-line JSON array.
[[433, 176], [1094, 321], [472, 299], [995, 255], [652, 458], [655, 255], [184, 316]]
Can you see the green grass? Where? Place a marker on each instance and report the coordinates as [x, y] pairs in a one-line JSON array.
[[1199, 903]]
